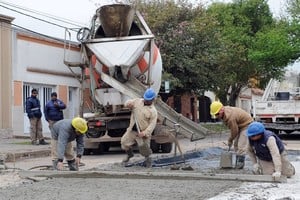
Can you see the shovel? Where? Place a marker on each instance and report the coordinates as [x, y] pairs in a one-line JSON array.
[[143, 147], [226, 159]]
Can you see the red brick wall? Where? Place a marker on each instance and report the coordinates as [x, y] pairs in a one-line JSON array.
[[186, 105]]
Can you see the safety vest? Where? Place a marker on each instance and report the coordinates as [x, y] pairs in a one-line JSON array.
[[261, 149]]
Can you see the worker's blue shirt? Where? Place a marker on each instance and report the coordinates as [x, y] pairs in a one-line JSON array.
[[54, 110], [33, 107], [261, 149]]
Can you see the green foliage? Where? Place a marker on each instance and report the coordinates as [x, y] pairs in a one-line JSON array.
[[222, 46], [293, 8]]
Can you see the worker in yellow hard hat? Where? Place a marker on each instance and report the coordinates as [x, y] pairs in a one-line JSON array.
[[63, 133], [237, 120]]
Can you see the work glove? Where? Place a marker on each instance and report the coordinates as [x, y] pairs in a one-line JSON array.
[[60, 166], [276, 176], [257, 169]]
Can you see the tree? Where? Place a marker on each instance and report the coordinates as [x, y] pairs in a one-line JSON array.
[[222, 47], [187, 39], [257, 46]]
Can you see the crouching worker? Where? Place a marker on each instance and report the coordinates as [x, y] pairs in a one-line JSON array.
[[142, 123], [63, 133], [267, 152]]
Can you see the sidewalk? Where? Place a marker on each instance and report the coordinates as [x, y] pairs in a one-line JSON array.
[[16, 148]]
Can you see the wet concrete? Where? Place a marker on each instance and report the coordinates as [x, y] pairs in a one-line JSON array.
[[205, 159], [116, 188]]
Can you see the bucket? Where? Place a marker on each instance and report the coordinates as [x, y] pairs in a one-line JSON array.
[[226, 160]]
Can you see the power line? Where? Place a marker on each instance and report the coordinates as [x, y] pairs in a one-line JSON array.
[[37, 33], [35, 17], [67, 21]]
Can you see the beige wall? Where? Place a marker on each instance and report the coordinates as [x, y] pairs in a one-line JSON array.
[[5, 72]]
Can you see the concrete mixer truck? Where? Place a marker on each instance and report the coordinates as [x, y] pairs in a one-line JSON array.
[[119, 61]]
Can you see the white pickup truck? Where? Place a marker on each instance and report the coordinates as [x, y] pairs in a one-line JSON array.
[[279, 107]]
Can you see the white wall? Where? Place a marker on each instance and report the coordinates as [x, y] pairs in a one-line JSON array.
[[28, 54]]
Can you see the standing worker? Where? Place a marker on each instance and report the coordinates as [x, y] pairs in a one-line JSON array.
[[237, 120], [267, 152], [54, 110], [144, 118], [33, 110], [64, 132]]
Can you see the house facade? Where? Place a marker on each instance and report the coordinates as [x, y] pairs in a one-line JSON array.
[[32, 61]]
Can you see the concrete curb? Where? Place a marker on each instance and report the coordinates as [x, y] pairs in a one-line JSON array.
[[12, 157], [27, 137]]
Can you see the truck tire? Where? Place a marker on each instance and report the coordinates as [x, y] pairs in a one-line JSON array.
[[102, 148], [87, 151], [94, 133], [274, 131], [166, 147]]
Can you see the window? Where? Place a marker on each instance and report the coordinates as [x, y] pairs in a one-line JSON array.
[[46, 95], [26, 94]]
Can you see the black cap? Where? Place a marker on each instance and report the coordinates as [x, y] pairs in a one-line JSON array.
[[53, 94], [34, 90]]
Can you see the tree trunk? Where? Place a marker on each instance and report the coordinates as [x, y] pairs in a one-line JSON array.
[[235, 91]]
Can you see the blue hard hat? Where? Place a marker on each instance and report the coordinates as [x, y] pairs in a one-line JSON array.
[[149, 94], [255, 128]]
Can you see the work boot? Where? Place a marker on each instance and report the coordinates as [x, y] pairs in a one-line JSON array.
[[72, 165], [128, 156], [240, 162], [43, 142], [54, 163], [148, 162]]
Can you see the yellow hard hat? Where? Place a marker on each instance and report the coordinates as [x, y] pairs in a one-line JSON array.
[[215, 107], [80, 124]]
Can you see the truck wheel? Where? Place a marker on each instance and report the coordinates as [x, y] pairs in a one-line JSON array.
[[87, 152], [154, 146], [166, 147], [93, 133], [274, 131], [104, 146], [288, 131]]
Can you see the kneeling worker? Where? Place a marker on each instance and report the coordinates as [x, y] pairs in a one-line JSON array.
[[144, 117], [64, 132], [267, 152]]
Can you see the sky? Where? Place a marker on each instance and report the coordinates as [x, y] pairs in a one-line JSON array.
[[78, 12]]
